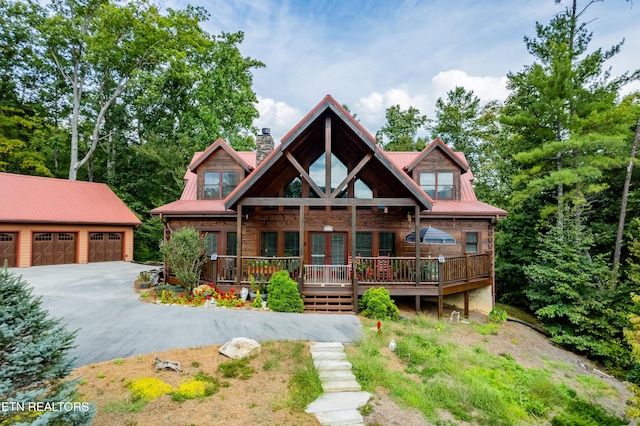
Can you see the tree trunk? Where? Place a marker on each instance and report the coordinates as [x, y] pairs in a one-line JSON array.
[[623, 209]]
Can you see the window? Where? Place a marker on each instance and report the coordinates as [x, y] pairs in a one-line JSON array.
[[232, 243], [471, 245], [210, 243], [387, 243], [362, 190], [317, 172], [96, 237], [294, 189], [269, 244], [219, 184], [292, 244], [364, 244], [437, 185]]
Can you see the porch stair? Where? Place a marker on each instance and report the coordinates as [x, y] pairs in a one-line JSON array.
[[328, 300]]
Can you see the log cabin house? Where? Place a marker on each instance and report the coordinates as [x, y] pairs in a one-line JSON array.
[[336, 211]]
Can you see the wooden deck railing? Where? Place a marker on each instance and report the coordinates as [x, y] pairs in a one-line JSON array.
[[379, 270], [225, 268]]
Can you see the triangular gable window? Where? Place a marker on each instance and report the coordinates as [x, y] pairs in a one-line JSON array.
[[294, 189], [362, 190]]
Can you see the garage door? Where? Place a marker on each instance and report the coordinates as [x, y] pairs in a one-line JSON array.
[[105, 246], [53, 248], [8, 248]]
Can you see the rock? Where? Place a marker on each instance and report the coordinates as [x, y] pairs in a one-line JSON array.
[[240, 348], [171, 365]]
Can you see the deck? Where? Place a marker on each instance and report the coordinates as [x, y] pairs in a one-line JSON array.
[[335, 288]]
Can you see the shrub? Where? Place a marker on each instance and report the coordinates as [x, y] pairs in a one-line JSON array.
[[283, 294], [498, 315], [33, 358], [376, 303], [183, 254]]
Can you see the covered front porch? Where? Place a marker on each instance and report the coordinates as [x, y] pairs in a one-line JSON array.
[[336, 288]]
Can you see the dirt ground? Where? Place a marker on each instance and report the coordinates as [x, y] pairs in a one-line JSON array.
[[259, 400]]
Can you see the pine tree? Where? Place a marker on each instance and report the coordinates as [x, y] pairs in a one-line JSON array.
[[34, 362], [568, 291]]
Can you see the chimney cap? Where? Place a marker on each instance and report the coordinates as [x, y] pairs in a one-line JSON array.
[[266, 131]]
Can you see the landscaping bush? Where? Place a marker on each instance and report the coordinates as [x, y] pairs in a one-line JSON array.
[[33, 360], [183, 254], [376, 303], [283, 294]]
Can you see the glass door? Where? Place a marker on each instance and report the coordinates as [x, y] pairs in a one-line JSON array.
[[328, 248]]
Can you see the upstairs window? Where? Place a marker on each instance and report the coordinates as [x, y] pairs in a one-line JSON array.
[[437, 185], [219, 184]]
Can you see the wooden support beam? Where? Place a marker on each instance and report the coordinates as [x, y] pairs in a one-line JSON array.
[[354, 279], [352, 174], [324, 201], [327, 152], [417, 304], [466, 304], [416, 215], [301, 250], [304, 175], [239, 247]]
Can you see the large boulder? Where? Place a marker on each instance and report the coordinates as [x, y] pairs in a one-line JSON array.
[[240, 348]]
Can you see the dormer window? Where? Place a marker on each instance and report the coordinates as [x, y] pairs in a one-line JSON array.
[[437, 185], [219, 184]]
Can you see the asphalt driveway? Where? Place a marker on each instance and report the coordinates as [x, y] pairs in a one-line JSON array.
[[98, 300]]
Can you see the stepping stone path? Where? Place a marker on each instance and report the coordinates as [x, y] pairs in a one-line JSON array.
[[338, 405]]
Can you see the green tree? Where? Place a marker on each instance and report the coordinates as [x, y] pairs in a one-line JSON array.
[[568, 291], [184, 256], [34, 359], [400, 133], [559, 108], [457, 123]]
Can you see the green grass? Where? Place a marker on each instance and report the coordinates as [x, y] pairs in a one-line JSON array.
[[238, 368], [471, 383], [304, 385]]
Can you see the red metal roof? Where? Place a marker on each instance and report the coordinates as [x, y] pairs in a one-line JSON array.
[[32, 199], [193, 207]]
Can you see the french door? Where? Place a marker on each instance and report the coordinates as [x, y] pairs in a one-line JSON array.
[[328, 248]]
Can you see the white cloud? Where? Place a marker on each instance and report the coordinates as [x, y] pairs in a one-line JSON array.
[[278, 116], [371, 109], [486, 88]]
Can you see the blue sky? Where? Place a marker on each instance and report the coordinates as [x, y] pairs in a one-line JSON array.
[[370, 55]]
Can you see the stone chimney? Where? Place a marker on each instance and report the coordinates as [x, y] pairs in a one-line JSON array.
[[264, 145]]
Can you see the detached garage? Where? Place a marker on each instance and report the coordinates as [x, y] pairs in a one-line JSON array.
[[46, 221]]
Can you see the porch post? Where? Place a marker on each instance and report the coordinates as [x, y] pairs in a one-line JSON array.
[[354, 280], [466, 304], [239, 247], [440, 297], [301, 251], [418, 269]]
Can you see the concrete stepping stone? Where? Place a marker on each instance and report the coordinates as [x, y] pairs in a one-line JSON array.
[[341, 386], [328, 356], [327, 347], [340, 418], [332, 365], [343, 395]]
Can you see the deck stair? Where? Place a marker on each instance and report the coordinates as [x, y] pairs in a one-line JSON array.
[[321, 300]]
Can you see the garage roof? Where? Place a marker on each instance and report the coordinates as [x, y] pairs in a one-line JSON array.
[[32, 199]]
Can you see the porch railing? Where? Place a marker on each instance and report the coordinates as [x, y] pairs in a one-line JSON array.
[[225, 268], [379, 270], [327, 274]]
